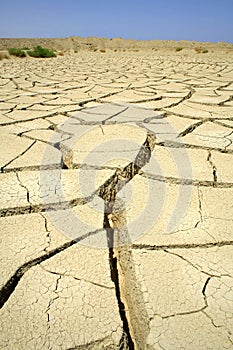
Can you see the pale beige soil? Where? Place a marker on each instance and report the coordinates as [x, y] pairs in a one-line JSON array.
[[135, 145], [76, 44]]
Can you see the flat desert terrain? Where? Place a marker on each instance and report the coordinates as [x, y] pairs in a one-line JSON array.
[[116, 206]]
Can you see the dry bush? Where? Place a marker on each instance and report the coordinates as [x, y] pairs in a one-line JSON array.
[[2, 56], [102, 50], [199, 50]]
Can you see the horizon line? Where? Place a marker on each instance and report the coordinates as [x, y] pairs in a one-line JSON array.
[[112, 38]]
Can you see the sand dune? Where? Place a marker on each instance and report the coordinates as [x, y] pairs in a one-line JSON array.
[[94, 43]]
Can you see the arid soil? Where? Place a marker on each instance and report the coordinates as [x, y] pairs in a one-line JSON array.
[[72, 44], [116, 204]]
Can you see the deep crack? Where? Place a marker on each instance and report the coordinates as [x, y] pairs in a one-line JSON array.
[[114, 224], [120, 178], [126, 339]]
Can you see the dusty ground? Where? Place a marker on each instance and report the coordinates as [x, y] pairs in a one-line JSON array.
[[116, 201], [93, 44]]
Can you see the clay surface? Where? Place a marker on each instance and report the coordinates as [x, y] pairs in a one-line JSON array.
[[116, 206]]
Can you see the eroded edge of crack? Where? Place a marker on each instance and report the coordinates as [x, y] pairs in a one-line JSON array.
[[108, 192]]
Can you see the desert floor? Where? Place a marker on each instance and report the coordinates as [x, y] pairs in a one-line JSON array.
[[116, 201]]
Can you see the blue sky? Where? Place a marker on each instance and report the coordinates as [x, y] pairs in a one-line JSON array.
[[201, 20]]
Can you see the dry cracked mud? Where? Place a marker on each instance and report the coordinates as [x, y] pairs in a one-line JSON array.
[[116, 202]]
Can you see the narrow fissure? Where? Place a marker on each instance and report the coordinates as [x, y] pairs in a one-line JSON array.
[[18, 156], [214, 169], [205, 286], [9, 287], [126, 339], [41, 208], [173, 144], [191, 128], [183, 246], [185, 98]]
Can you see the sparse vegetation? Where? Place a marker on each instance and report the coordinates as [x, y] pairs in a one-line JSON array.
[[199, 50], [179, 49], [42, 52], [16, 52], [38, 51], [102, 51]]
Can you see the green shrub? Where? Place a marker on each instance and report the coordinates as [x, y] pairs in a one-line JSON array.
[[205, 51], [25, 48], [39, 51], [16, 52], [179, 49]]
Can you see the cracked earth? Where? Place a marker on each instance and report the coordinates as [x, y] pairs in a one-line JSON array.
[[116, 202]]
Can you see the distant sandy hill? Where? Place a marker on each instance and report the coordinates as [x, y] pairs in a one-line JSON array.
[[75, 43]]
